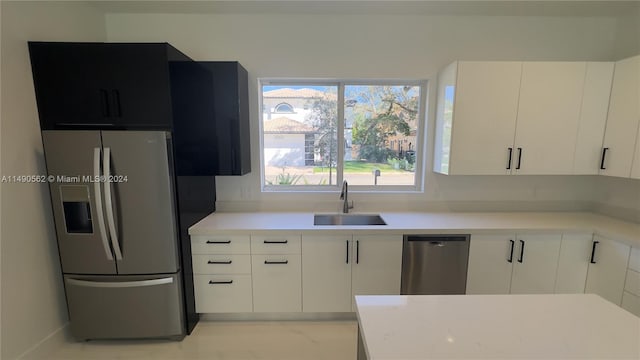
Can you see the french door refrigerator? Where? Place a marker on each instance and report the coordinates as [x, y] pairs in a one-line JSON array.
[[115, 214]]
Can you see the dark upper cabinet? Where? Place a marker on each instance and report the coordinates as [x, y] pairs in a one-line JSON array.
[[103, 85], [231, 109]]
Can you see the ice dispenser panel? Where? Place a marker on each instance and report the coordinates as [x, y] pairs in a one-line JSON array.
[[77, 209]]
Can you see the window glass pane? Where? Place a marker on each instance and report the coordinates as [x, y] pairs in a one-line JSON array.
[[300, 145], [381, 124]]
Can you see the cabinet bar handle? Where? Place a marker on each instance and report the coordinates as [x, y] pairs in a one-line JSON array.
[[276, 241], [347, 251], [509, 161], [276, 262], [604, 154], [211, 282], [218, 242], [519, 158], [116, 103], [357, 251], [219, 262], [104, 101], [513, 244], [593, 252], [521, 252]]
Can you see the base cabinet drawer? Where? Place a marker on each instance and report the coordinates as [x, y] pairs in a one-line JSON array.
[[277, 283], [231, 244], [223, 293], [221, 264]]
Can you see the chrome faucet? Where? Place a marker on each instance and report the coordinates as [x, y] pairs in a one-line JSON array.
[[344, 195]]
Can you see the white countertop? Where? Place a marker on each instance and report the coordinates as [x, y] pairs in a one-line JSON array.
[[427, 222], [580, 326]]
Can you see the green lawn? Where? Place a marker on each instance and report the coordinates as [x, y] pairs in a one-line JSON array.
[[358, 167]]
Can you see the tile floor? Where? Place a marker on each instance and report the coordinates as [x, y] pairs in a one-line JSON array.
[[238, 340]]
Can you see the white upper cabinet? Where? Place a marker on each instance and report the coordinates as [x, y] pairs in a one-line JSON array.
[[621, 131], [548, 117], [593, 118], [476, 117], [525, 118]]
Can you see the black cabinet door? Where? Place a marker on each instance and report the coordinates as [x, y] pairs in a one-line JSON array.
[[69, 85], [102, 85], [138, 85], [231, 103]]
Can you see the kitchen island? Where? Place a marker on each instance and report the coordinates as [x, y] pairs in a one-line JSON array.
[[576, 326]]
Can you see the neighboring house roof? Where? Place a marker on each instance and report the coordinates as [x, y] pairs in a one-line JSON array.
[[288, 93], [284, 125]]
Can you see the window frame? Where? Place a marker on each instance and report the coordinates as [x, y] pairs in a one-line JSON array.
[[420, 146]]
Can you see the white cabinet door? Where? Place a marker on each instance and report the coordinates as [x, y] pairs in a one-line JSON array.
[[277, 283], [548, 115], [490, 264], [573, 264], [484, 117], [593, 117], [376, 265], [607, 270], [622, 122], [635, 167], [326, 273], [535, 264]]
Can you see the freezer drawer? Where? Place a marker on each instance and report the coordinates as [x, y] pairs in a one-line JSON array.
[[121, 307]]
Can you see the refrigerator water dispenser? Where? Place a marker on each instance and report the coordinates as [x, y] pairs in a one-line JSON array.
[[77, 209]]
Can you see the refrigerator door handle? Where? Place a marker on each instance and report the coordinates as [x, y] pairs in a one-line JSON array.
[[106, 166], [123, 284], [98, 198]]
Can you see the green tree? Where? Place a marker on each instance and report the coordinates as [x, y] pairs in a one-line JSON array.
[[324, 119], [381, 112]]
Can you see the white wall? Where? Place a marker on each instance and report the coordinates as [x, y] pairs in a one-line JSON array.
[[33, 304], [383, 46]]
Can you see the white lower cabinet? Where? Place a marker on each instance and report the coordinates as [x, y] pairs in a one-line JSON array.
[[276, 273], [223, 293], [337, 267], [377, 268], [516, 264], [276, 283], [573, 264], [326, 273], [608, 269]]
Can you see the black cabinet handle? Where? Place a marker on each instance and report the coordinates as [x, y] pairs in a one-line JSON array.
[[521, 252], [513, 244], [219, 262], [218, 242], [509, 161], [276, 262], [519, 158], [347, 251], [276, 242], [593, 252], [116, 103], [211, 282], [604, 154], [357, 251], [104, 102]]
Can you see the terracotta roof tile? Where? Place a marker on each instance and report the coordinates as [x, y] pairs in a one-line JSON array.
[[284, 125]]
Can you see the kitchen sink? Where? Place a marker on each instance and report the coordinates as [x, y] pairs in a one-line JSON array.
[[346, 219]]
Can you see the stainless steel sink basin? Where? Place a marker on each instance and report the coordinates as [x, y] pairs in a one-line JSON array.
[[346, 219]]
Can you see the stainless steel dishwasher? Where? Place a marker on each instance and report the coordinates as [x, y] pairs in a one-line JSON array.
[[434, 264]]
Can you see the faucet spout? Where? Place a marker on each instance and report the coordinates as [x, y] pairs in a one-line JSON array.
[[344, 195]]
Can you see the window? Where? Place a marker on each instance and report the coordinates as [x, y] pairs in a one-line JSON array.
[[283, 108], [379, 124]]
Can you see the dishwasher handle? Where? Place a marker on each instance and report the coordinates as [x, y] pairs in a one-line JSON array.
[[436, 240]]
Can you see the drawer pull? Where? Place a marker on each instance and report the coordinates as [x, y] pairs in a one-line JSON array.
[[276, 262], [219, 262], [218, 242], [593, 252], [211, 282], [276, 241]]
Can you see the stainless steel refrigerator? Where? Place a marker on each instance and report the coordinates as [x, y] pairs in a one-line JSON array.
[[115, 213]]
